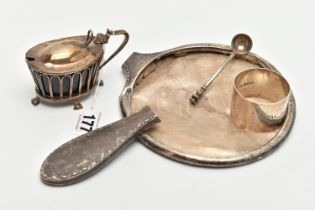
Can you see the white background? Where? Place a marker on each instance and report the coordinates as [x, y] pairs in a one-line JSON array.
[[283, 33]]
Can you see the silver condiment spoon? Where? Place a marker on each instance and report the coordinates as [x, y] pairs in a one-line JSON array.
[[241, 45]]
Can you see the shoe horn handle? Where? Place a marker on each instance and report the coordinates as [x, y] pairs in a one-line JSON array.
[[83, 155]]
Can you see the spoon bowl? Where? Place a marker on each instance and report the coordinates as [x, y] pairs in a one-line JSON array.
[[241, 44]]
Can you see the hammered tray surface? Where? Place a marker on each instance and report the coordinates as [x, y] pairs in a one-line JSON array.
[[201, 135]]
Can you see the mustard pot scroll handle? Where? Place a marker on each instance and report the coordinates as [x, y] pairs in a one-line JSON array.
[[103, 39]]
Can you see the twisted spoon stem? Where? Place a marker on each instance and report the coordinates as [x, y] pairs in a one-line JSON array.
[[198, 94]]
